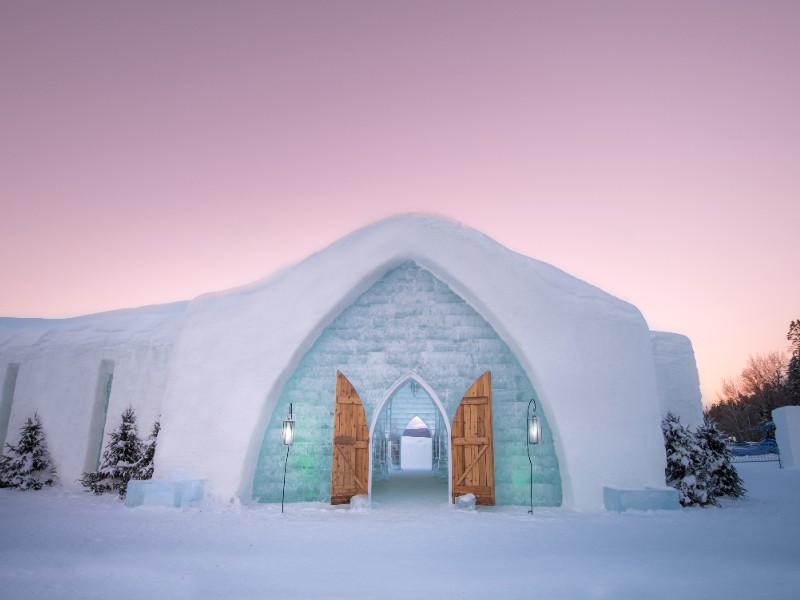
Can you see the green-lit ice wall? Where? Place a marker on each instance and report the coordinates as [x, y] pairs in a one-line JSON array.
[[408, 321]]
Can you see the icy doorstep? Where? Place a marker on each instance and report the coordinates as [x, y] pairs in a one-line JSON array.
[[621, 499], [160, 492]]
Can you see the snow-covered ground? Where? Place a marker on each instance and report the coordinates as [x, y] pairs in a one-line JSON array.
[[66, 544]]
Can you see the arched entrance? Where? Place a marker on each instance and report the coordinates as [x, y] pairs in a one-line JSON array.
[[408, 326], [410, 398]]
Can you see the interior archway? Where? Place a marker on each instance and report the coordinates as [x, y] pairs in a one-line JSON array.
[[410, 445]]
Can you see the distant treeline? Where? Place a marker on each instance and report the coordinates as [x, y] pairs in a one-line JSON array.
[[767, 382]]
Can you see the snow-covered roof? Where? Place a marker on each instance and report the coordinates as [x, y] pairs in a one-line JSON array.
[[587, 353], [124, 326]]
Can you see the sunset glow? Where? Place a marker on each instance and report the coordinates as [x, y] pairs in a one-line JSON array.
[[153, 151]]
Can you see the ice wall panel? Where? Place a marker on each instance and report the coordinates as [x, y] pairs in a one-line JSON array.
[[105, 379], [7, 399]]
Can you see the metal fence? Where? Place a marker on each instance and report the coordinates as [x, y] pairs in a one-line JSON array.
[[758, 458], [764, 451]]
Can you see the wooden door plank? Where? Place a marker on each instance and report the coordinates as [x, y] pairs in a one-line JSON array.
[[479, 491], [479, 400], [471, 441]]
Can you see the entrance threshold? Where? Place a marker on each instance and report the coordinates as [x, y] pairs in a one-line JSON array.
[[410, 489]]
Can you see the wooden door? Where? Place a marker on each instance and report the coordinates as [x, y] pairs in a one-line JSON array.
[[350, 472], [471, 443]]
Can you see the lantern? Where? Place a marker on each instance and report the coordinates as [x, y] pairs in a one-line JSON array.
[[287, 433], [534, 428]]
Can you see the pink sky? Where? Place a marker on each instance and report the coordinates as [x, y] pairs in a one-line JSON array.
[[154, 151]]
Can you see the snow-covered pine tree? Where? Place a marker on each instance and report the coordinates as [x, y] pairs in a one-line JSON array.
[[724, 480], [686, 468], [121, 459], [28, 465], [146, 467]]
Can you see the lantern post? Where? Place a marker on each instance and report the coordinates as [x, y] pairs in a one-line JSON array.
[[534, 427], [287, 435]]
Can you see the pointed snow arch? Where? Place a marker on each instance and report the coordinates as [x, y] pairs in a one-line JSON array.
[[408, 321], [387, 397]]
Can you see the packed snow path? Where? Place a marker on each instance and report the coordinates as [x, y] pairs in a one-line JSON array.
[[59, 544]]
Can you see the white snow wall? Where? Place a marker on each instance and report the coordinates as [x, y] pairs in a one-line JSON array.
[[787, 434], [61, 369], [677, 377], [409, 321], [587, 354]]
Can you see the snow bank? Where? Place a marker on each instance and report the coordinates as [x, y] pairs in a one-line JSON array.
[[80, 546]]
